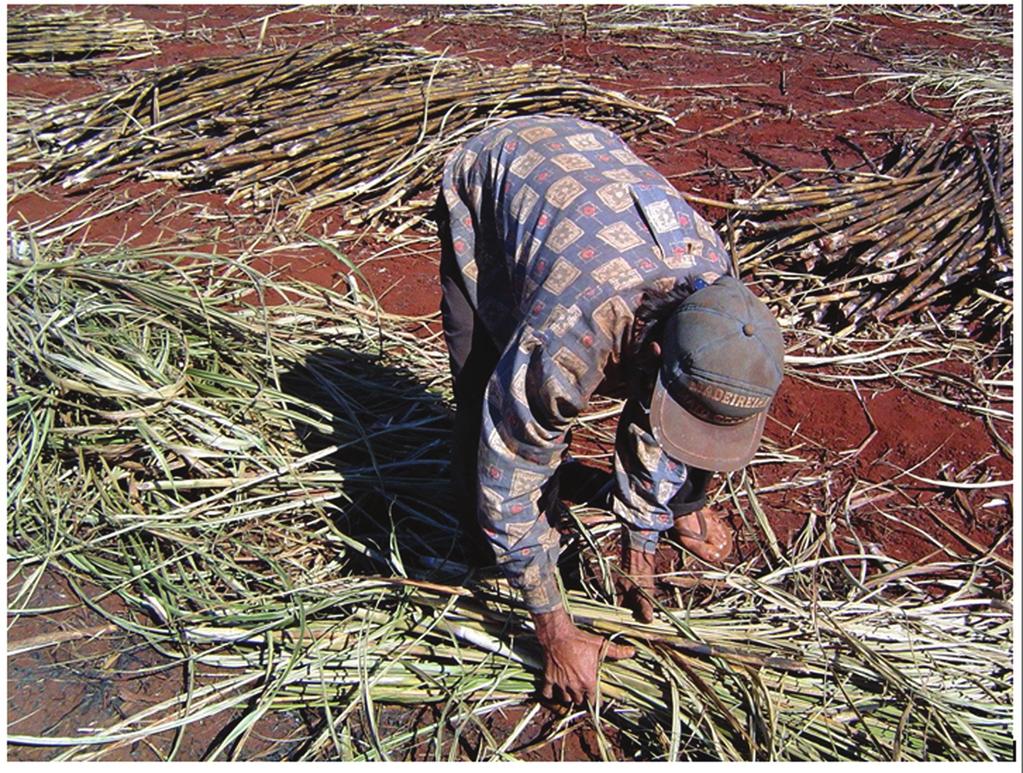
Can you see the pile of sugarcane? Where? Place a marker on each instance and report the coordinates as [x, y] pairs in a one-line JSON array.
[[69, 39], [264, 487], [931, 228], [366, 123]]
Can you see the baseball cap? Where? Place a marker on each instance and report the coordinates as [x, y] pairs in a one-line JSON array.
[[722, 356]]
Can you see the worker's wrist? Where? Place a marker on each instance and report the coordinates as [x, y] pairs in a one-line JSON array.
[[543, 597], [552, 624], [644, 540], [639, 563]]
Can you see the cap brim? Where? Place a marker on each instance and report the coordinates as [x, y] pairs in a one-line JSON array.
[[706, 446]]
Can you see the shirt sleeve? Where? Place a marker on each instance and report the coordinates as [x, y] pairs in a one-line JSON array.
[[646, 479], [530, 401]]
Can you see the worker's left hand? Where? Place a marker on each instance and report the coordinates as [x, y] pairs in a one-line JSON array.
[[639, 584]]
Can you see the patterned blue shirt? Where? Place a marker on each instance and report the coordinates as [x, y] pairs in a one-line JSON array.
[[559, 230]]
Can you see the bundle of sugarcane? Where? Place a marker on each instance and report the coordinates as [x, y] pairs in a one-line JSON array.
[[70, 39], [264, 487], [933, 228], [366, 123]]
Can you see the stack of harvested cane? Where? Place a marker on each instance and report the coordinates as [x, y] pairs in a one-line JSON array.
[[157, 450], [933, 228], [60, 40], [366, 123]]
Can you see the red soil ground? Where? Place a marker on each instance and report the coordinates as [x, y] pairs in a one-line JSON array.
[[794, 103]]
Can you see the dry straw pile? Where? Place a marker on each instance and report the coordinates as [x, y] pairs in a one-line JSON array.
[[264, 487]]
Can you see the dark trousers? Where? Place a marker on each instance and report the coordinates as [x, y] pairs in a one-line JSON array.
[[473, 357], [693, 494]]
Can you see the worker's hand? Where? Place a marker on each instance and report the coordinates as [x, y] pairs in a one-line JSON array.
[[571, 657], [705, 534], [639, 569]]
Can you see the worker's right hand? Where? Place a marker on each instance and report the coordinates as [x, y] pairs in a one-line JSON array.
[[572, 657]]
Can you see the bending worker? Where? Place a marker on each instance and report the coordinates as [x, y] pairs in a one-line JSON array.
[[567, 264]]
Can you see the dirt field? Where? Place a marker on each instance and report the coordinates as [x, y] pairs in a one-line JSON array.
[[742, 113]]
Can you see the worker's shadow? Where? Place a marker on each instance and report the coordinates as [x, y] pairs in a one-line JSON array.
[[393, 438]]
